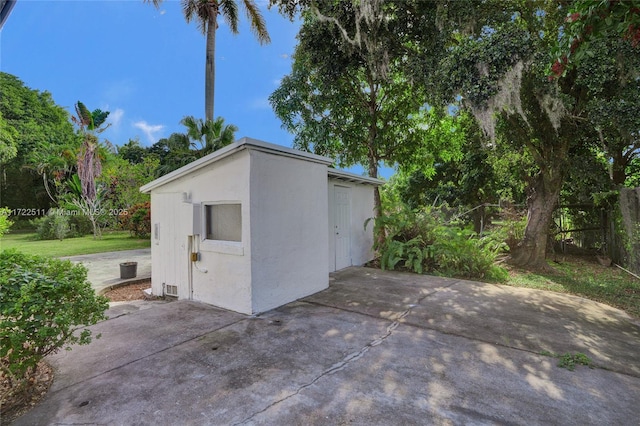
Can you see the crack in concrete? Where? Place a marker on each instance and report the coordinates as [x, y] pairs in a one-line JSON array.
[[79, 424], [342, 364]]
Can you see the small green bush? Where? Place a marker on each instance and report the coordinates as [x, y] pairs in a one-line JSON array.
[[79, 225], [59, 224], [413, 253], [53, 226], [461, 252], [45, 304], [137, 220], [422, 241], [5, 223]]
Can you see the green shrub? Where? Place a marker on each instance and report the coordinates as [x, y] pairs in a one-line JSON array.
[[79, 225], [137, 220], [5, 223], [461, 252], [422, 240], [59, 224], [413, 253], [45, 304], [569, 361], [53, 226]]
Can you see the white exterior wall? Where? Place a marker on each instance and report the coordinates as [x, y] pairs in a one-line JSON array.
[[362, 208], [289, 220], [227, 280]]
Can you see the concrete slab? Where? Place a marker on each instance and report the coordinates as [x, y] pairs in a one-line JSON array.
[[103, 269], [447, 380], [376, 348], [519, 318], [124, 341], [534, 320]]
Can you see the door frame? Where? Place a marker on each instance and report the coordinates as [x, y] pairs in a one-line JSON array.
[[343, 263]]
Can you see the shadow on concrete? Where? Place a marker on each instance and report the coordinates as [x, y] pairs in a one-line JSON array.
[[376, 348]]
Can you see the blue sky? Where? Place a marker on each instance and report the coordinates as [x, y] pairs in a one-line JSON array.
[[146, 66]]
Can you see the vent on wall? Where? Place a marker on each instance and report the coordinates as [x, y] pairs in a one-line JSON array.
[[171, 290]]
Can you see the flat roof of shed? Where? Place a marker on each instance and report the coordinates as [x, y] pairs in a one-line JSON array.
[[239, 145]]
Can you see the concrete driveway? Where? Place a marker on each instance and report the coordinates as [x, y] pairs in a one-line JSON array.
[[378, 348], [103, 269]]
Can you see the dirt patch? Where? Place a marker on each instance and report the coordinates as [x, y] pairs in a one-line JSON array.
[[128, 292], [13, 405]]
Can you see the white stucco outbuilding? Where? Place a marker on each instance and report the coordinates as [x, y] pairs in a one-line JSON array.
[[254, 226]]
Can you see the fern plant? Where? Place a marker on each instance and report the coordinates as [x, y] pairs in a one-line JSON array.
[[422, 241]]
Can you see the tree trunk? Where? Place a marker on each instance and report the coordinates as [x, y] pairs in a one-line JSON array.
[[210, 66], [372, 136], [380, 235], [478, 220], [618, 165], [377, 203], [532, 250]]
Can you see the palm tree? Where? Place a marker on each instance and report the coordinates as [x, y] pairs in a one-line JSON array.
[[177, 153], [89, 161], [202, 138], [206, 13], [211, 134]]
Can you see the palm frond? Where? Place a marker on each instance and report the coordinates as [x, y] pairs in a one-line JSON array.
[[155, 3], [193, 125], [229, 12], [189, 9], [99, 117], [198, 10], [256, 21], [84, 117]]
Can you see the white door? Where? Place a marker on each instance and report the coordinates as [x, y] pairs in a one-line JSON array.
[[342, 225], [167, 238]]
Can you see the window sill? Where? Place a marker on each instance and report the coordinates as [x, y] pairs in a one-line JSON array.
[[225, 247]]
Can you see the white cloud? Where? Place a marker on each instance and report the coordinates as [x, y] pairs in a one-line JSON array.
[[115, 117], [150, 130], [284, 56]]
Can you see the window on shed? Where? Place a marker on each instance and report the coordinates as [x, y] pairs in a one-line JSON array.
[[223, 222]]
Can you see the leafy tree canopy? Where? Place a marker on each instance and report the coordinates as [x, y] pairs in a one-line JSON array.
[[132, 151], [33, 115], [349, 95], [8, 141], [589, 21], [30, 123]]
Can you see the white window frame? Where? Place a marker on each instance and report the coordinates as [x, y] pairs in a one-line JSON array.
[[221, 246]]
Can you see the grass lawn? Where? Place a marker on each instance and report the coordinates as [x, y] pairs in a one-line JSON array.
[[111, 241], [584, 276]]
